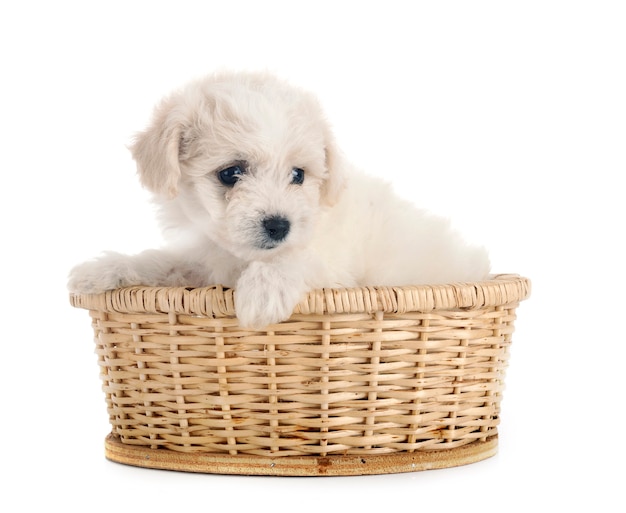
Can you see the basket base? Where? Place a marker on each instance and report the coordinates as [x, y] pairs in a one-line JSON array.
[[349, 465]]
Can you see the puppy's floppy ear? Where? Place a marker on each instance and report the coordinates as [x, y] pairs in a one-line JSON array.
[[159, 149], [336, 172]]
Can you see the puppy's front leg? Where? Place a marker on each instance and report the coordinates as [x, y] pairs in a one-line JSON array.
[[267, 292], [150, 268]]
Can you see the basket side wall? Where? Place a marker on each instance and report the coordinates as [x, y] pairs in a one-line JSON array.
[[353, 383]]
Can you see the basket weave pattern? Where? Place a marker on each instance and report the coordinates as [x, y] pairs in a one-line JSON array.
[[360, 371]]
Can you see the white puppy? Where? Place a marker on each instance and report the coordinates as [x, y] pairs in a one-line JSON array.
[[255, 195]]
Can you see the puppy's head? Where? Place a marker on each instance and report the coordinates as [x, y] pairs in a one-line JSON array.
[[247, 158]]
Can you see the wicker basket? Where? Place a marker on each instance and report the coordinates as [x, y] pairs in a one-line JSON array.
[[358, 381]]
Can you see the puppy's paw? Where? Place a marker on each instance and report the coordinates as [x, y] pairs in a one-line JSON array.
[[108, 272], [266, 294]]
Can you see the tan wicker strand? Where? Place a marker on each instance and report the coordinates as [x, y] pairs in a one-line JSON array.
[[355, 372]]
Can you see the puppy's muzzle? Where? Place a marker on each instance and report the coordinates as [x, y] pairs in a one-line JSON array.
[[276, 229]]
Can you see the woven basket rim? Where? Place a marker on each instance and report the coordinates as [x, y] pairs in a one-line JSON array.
[[217, 301]]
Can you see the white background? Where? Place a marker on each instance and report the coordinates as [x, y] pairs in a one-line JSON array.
[[509, 117]]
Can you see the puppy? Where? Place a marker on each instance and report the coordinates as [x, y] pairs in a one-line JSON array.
[[254, 194]]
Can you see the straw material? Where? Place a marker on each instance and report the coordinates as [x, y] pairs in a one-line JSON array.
[[368, 371]]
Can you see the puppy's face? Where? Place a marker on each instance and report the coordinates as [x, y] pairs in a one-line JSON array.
[[253, 182], [248, 159]]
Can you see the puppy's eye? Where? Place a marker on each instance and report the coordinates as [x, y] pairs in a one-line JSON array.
[[297, 176], [231, 174]]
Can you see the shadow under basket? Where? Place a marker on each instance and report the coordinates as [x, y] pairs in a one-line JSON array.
[[372, 380]]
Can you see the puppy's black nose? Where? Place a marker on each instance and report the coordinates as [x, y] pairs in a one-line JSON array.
[[276, 227]]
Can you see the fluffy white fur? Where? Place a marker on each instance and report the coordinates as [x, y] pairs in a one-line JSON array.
[[345, 229]]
